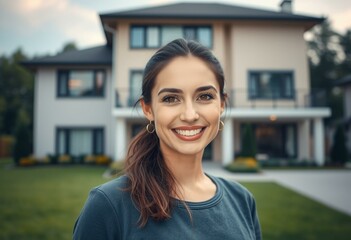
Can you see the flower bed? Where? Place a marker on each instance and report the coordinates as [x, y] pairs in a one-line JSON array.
[[244, 164]]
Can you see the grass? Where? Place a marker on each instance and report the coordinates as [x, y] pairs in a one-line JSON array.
[[284, 214], [43, 203]]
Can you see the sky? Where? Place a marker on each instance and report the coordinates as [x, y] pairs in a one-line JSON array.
[[42, 27]]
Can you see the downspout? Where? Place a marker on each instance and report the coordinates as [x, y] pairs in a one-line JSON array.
[[113, 90]]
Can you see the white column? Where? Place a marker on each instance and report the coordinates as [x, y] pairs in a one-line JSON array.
[[121, 145], [318, 130], [227, 142], [303, 136]]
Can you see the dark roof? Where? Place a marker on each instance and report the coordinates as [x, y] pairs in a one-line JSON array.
[[344, 81], [101, 55], [207, 11]]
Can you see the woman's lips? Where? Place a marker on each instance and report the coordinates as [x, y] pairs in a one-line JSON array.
[[189, 133]]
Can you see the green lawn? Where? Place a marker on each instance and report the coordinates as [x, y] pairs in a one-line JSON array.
[[43, 203]]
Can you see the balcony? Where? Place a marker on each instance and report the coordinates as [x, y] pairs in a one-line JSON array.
[[241, 98]]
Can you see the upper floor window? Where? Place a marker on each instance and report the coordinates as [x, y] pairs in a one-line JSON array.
[[271, 85], [81, 83], [157, 36], [135, 82]]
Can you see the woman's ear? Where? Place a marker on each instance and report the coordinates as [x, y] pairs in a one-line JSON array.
[[223, 102], [147, 110]]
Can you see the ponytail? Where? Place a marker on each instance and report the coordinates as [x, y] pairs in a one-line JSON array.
[[151, 182]]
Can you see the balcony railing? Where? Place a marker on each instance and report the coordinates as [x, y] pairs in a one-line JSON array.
[[242, 98]]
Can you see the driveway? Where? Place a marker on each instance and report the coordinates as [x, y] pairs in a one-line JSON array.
[[330, 187]]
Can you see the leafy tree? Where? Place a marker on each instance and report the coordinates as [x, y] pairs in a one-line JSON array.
[[249, 143], [23, 137], [339, 153], [70, 46], [324, 58], [16, 91], [345, 43]]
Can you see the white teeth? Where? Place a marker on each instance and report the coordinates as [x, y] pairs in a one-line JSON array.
[[188, 133]]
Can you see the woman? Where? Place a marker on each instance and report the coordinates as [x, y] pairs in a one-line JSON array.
[[164, 193]]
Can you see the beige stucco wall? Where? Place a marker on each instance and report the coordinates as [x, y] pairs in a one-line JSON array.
[[51, 112], [266, 47]]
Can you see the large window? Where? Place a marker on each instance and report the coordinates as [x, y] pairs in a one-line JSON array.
[[271, 85], [81, 83], [157, 36], [80, 141]]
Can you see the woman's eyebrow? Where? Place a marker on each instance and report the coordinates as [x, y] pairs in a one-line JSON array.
[[171, 90], [176, 90], [206, 88]]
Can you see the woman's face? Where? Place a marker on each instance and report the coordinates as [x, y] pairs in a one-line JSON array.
[[185, 106]]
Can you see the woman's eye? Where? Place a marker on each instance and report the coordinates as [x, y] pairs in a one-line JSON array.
[[205, 97], [170, 99]]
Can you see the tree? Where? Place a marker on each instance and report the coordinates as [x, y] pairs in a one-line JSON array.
[[70, 46], [16, 91], [23, 137], [339, 153], [324, 57], [345, 43], [249, 143]]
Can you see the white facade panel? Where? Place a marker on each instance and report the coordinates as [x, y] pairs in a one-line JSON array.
[[52, 112]]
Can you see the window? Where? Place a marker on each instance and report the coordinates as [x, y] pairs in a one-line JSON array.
[[271, 85], [202, 35], [157, 36], [81, 83], [169, 33], [136, 78], [80, 141]]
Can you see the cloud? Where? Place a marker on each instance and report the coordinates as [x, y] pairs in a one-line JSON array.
[[69, 20]]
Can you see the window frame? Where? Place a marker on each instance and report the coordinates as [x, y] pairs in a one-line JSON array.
[[67, 131], [183, 27], [281, 94], [67, 72]]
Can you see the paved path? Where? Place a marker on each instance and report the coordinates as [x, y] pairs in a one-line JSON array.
[[330, 187]]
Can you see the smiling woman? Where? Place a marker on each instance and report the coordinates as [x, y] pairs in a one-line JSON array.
[[165, 193]]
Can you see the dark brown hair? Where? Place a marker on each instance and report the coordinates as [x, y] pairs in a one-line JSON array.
[[151, 182]]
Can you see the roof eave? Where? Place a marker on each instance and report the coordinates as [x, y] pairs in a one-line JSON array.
[[35, 65]]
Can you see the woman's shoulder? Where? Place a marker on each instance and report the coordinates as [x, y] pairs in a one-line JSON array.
[[114, 189], [233, 187]]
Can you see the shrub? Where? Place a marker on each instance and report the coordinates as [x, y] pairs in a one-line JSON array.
[[89, 159], [244, 164], [339, 153], [22, 147], [249, 144], [65, 159], [102, 160], [27, 161], [53, 158]]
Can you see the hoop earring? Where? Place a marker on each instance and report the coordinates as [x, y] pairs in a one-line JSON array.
[[150, 128], [221, 126]]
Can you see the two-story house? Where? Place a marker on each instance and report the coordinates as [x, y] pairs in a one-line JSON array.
[[84, 100]]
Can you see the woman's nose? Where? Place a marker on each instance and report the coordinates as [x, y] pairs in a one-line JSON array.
[[189, 113]]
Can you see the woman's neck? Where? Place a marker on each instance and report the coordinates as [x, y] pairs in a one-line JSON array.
[[191, 182]]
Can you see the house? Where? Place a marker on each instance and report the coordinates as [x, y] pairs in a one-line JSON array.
[[345, 84], [84, 100]]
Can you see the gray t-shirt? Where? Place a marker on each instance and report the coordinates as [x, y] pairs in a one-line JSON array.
[[109, 213]]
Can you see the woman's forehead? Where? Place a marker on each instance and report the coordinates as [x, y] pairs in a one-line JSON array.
[[185, 72]]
